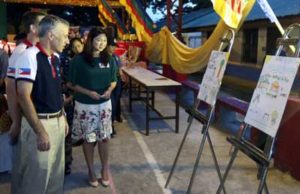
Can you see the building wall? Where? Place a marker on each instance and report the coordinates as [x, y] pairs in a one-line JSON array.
[[262, 44], [236, 52], [192, 39], [204, 37]]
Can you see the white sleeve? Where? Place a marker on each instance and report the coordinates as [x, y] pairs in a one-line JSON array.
[[26, 66], [11, 70]]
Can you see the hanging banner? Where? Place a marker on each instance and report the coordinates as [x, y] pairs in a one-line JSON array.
[[265, 6], [140, 20], [230, 11], [106, 13]]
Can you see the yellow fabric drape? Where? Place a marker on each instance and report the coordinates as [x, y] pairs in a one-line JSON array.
[[165, 48]]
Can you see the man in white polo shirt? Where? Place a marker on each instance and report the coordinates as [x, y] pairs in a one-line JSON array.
[[44, 125], [30, 21]]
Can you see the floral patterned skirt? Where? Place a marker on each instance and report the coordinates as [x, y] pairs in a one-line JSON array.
[[92, 122]]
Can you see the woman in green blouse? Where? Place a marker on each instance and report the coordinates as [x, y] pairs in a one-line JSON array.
[[92, 76]]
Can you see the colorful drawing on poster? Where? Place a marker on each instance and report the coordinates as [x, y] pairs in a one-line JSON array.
[[213, 77], [270, 96]]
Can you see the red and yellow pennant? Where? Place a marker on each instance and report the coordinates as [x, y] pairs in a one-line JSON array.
[[230, 11], [102, 19]]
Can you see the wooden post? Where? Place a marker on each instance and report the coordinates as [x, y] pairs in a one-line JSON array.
[[168, 71]]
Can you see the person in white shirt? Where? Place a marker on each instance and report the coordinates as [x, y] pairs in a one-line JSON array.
[[30, 21]]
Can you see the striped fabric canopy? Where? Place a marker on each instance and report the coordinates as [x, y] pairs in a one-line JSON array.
[[92, 3], [107, 14]]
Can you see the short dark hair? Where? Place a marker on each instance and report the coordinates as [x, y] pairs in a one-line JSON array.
[[30, 18], [88, 47], [48, 23]]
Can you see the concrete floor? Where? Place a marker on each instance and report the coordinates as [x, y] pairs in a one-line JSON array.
[[140, 164]]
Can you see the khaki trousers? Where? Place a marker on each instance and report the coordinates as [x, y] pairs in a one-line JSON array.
[[41, 172]]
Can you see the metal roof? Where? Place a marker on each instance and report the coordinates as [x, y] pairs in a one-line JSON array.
[[281, 8], [190, 17]]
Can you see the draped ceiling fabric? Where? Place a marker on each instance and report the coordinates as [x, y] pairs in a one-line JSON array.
[[163, 47], [102, 19], [141, 22], [89, 3], [106, 13]]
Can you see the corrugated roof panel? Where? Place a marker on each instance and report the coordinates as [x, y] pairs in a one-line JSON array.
[[210, 19], [281, 8]]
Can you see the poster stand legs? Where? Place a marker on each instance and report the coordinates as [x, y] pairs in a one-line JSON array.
[[205, 120], [261, 156]]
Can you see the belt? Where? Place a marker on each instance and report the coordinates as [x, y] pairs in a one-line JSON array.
[[50, 115]]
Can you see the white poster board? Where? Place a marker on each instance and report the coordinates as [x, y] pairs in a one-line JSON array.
[[271, 93], [213, 77]]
